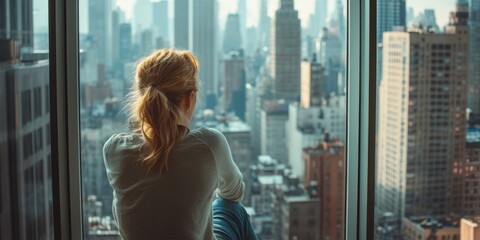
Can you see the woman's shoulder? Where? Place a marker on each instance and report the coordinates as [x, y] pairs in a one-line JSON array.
[[210, 136], [123, 140]]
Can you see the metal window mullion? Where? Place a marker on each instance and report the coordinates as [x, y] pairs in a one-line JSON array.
[[361, 97], [63, 48]]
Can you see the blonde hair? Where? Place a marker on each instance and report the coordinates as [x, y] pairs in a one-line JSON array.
[[162, 80]]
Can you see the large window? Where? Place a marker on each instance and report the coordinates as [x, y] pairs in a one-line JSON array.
[[26, 203], [428, 144], [273, 80]]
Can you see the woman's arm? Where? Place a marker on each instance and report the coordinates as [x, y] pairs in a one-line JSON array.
[[230, 186]]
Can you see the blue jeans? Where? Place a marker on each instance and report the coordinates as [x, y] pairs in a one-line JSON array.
[[231, 221]]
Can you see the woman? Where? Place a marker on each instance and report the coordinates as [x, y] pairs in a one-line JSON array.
[[164, 176]]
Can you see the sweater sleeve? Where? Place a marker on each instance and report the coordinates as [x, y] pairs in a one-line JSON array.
[[231, 185]]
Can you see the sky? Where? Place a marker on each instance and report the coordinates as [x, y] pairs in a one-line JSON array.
[[304, 7]]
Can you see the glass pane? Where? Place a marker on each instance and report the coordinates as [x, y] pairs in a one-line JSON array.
[[26, 210], [428, 132], [272, 80]]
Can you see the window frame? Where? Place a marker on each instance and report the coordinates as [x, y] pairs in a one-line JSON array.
[[65, 125]]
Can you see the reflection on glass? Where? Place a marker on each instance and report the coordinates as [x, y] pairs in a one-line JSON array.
[[428, 141], [25, 154], [273, 82]]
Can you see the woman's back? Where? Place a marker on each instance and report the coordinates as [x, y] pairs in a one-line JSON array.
[[176, 204]]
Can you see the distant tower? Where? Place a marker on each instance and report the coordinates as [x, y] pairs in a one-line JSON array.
[[390, 14], [474, 71], [285, 52], [242, 12], [202, 42], [234, 92], [181, 27], [125, 37], [430, 20], [338, 22], [99, 28], [325, 171], [142, 17], [318, 19], [160, 20], [421, 128], [328, 49], [232, 39], [264, 25], [311, 88]]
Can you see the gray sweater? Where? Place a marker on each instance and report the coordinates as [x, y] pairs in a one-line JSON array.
[[176, 204]]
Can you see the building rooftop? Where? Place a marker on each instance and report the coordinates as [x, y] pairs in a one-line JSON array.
[[233, 126], [427, 222], [473, 136], [270, 180], [297, 198]]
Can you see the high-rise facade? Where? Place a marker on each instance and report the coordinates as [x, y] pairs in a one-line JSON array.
[[328, 49], [263, 25], [233, 85], [285, 52], [311, 83], [421, 128], [474, 71], [296, 211], [125, 38], [390, 15], [318, 20], [471, 175], [142, 17], [325, 171], [232, 39], [273, 116], [100, 29], [181, 27], [430, 20], [26, 187], [160, 21], [203, 43]]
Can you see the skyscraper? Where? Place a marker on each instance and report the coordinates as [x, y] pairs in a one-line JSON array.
[[318, 19], [421, 129], [232, 39], [202, 37], [26, 187], [99, 28], [430, 20], [328, 49], [181, 27], [390, 14], [242, 12], [273, 141], [142, 17], [325, 171], [311, 89], [160, 20], [263, 25], [285, 52], [125, 38], [474, 72], [234, 92]]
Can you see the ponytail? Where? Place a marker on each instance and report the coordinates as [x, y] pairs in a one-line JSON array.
[[159, 127], [162, 80]]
